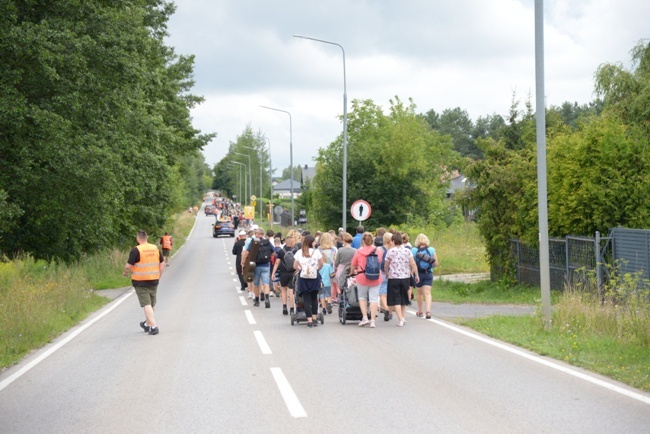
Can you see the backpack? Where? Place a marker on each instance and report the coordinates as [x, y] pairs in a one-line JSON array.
[[264, 252], [425, 260], [289, 259], [309, 268], [372, 266]]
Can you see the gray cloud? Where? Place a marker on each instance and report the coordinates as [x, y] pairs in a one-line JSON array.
[[467, 53]]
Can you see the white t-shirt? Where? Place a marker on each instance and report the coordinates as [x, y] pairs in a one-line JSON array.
[[308, 266]]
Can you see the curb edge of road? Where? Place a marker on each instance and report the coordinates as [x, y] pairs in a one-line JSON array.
[[575, 371]]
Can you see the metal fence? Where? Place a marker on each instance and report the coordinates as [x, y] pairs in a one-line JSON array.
[[632, 252], [570, 259]]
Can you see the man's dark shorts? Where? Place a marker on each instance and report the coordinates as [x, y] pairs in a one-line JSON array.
[[166, 252], [146, 295], [286, 280]]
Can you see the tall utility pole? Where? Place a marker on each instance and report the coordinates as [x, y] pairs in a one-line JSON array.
[[542, 201]]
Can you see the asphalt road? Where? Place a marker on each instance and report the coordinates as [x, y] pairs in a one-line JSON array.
[[220, 365]]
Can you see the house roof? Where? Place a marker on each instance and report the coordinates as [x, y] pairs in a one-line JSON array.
[[308, 173], [286, 186], [459, 182]]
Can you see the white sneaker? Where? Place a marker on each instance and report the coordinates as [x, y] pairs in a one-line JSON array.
[[363, 322], [372, 324], [400, 323], [250, 295]]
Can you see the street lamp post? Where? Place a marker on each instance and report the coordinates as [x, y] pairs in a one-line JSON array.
[[239, 179], [250, 171], [270, 182], [245, 181], [290, 156], [259, 157], [345, 127]]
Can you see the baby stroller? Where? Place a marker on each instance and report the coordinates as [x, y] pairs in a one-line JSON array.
[[349, 302], [298, 314]]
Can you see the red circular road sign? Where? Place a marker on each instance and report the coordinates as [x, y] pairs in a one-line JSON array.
[[360, 210]]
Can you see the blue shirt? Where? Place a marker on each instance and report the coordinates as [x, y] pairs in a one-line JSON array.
[[419, 263], [356, 241]]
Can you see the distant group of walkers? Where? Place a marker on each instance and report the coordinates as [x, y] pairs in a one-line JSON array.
[[323, 261]]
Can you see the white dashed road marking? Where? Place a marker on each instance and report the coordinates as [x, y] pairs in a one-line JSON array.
[[289, 396]]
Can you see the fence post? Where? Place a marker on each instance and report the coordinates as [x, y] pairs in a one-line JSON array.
[[518, 264], [598, 275], [568, 277]]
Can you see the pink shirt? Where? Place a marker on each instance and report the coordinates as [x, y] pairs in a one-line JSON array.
[[359, 261]]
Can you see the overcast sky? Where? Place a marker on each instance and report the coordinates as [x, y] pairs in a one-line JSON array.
[[471, 54]]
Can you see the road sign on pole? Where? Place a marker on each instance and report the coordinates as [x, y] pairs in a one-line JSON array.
[[360, 210]]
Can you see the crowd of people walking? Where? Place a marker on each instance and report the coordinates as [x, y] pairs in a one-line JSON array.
[[384, 266]]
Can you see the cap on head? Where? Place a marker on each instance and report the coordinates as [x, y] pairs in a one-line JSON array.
[[242, 233]]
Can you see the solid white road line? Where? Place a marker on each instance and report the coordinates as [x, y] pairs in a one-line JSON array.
[[289, 396], [262, 342], [629, 393], [242, 299], [249, 315], [7, 381]]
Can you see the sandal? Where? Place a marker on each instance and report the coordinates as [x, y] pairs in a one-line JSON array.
[[418, 314], [428, 315]]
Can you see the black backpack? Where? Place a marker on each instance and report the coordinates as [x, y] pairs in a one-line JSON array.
[[289, 258], [425, 260], [264, 252], [372, 266]]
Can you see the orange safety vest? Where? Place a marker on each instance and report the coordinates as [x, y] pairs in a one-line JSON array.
[[167, 242], [148, 267]]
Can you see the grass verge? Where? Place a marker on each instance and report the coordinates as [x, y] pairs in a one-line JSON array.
[[622, 360], [38, 301], [484, 292]]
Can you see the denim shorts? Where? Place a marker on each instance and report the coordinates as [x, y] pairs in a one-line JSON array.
[[263, 272], [383, 287], [325, 292], [426, 279]]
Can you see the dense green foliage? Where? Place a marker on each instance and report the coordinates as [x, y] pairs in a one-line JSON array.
[[395, 161], [95, 133], [227, 173], [598, 159]]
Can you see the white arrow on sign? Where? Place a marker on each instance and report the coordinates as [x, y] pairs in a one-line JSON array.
[[360, 210]]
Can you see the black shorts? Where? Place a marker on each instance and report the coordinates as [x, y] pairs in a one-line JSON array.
[[286, 280], [398, 292]]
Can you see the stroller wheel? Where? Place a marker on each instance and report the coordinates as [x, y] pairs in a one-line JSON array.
[[342, 316], [321, 318], [293, 318]]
